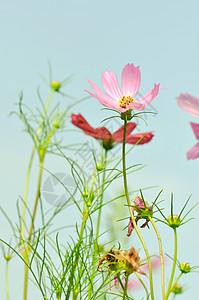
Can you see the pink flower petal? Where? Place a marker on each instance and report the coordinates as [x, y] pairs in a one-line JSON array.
[[189, 103], [130, 80], [110, 84], [193, 153], [195, 128], [100, 93], [147, 98]]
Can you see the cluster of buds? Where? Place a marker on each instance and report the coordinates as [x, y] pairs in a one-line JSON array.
[[118, 260]]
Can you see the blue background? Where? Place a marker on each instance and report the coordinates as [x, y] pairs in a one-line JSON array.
[[85, 38]]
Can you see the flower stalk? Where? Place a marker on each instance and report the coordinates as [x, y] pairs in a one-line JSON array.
[[131, 213], [174, 266], [161, 255]]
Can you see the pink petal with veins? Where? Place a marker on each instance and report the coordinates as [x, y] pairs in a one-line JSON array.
[[148, 98], [110, 84], [130, 80], [195, 128], [100, 93], [193, 153], [189, 103]]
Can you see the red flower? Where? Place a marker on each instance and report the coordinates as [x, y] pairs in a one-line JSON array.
[[108, 139]]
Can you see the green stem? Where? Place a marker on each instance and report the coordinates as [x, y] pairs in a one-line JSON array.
[[25, 283], [120, 281], [29, 168], [25, 197], [84, 219], [6, 280], [101, 198], [36, 200], [131, 213], [161, 255], [27, 252], [176, 281], [174, 265], [144, 286], [125, 287], [97, 230]]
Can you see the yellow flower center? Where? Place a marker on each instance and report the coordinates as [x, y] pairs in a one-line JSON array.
[[125, 101]]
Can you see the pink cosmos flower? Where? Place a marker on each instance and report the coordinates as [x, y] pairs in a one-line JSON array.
[[193, 153], [189, 103], [123, 100]]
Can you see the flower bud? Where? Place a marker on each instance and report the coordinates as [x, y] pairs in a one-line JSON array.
[[174, 221], [55, 85], [56, 124], [99, 166], [7, 257], [90, 200], [85, 194], [185, 267], [177, 289]]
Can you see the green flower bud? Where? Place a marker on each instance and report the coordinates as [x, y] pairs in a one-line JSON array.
[[55, 85], [185, 267], [7, 257], [99, 166], [85, 194], [56, 124], [177, 289], [90, 200], [174, 221]]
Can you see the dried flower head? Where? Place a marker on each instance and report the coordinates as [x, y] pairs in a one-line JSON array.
[[118, 260]]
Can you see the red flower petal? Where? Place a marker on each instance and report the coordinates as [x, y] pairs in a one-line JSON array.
[[99, 133]]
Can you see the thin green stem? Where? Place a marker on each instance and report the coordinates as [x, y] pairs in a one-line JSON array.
[[120, 281], [174, 266], [6, 280], [125, 287], [36, 200], [176, 281], [131, 213], [161, 255], [144, 286], [27, 252], [29, 168], [101, 198], [25, 282], [83, 224], [97, 229], [25, 197]]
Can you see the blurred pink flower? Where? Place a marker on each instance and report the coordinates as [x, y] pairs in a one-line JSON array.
[[125, 100], [193, 153], [189, 103], [134, 283]]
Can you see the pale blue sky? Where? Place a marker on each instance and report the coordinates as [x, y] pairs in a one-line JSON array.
[[85, 38]]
